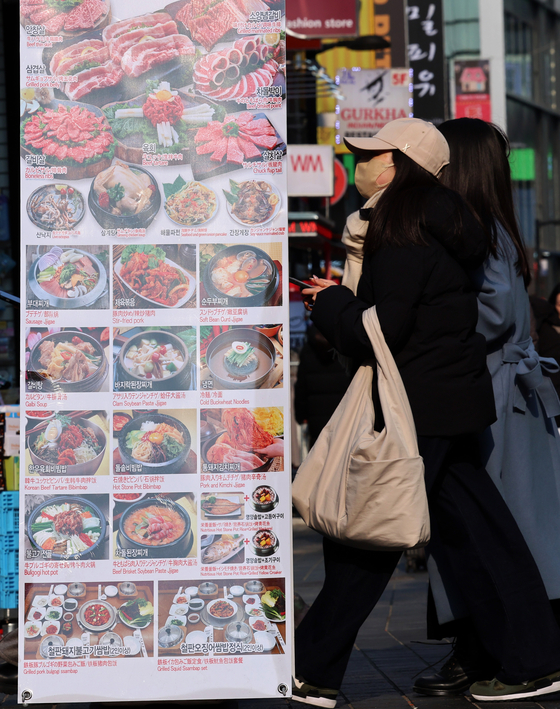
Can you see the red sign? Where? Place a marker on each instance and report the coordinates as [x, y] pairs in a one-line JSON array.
[[340, 181], [472, 90], [328, 18]]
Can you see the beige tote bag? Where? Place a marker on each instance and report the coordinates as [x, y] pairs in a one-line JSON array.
[[361, 487]]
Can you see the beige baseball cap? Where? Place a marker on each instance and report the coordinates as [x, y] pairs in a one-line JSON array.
[[418, 139]]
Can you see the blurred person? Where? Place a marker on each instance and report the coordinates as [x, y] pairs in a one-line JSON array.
[[521, 449], [427, 310], [320, 385]]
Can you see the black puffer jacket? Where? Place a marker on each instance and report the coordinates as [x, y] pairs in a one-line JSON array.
[[428, 313], [320, 385]]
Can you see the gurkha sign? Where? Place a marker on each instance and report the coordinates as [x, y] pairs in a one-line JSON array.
[[373, 97]]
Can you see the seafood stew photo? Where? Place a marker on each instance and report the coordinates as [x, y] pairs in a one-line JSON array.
[[240, 275], [68, 444], [62, 278], [145, 276]]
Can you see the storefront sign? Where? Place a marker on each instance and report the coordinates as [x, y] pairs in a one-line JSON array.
[[373, 97], [328, 18], [390, 23], [310, 171], [340, 181], [155, 528], [426, 58], [472, 89]]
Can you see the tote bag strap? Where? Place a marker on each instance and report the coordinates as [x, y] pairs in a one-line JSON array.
[[392, 392]]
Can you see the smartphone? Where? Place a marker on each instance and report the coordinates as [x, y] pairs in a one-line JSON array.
[[300, 284]]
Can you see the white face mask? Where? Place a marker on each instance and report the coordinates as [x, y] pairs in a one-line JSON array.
[[367, 174]]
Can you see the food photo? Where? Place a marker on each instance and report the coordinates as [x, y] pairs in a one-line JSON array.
[[72, 443], [148, 276], [221, 504], [242, 439], [237, 612], [56, 207], [189, 203], [67, 19], [240, 275], [161, 116], [154, 442], [154, 358], [222, 549], [223, 146], [124, 197], [61, 278], [68, 359], [63, 619], [241, 357], [67, 527], [67, 134], [125, 59], [156, 526], [252, 202]]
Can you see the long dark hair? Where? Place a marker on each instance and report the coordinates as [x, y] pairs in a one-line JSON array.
[[399, 213], [479, 171]]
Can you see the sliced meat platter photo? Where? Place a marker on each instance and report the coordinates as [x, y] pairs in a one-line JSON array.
[[209, 20], [238, 71], [66, 17], [69, 134], [124, 50]]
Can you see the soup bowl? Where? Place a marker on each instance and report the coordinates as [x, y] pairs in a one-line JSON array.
[[178, 547], [93, 382], [174, 465], [255, 300], [180, 379], [90, 467], [220, 345], [90, 551]]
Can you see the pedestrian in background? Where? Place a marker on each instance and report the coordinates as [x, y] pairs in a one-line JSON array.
[[427, 310], [521, 450]]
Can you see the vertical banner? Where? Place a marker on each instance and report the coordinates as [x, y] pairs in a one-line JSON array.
[[389, 22], [472, 89], [155, 516], [427, 59]]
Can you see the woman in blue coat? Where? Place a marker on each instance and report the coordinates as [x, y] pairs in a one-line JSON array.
[[521, 450]]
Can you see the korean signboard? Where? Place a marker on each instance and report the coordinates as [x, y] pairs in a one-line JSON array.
[[426, 58], [155, 540], [373, 97], [311, 171], [472, 89], [328, 18]]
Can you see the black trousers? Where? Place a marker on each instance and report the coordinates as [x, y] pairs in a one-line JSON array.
[[485, 550]]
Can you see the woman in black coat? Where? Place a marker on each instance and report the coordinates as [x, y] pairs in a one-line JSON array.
[[428, 313]]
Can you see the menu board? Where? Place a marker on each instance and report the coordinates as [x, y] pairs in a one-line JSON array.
[[155, 514]]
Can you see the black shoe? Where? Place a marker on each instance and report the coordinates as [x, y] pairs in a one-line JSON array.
[[455, 677], [8, 678]]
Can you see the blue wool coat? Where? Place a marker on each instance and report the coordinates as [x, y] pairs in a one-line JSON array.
[[521, 450]]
